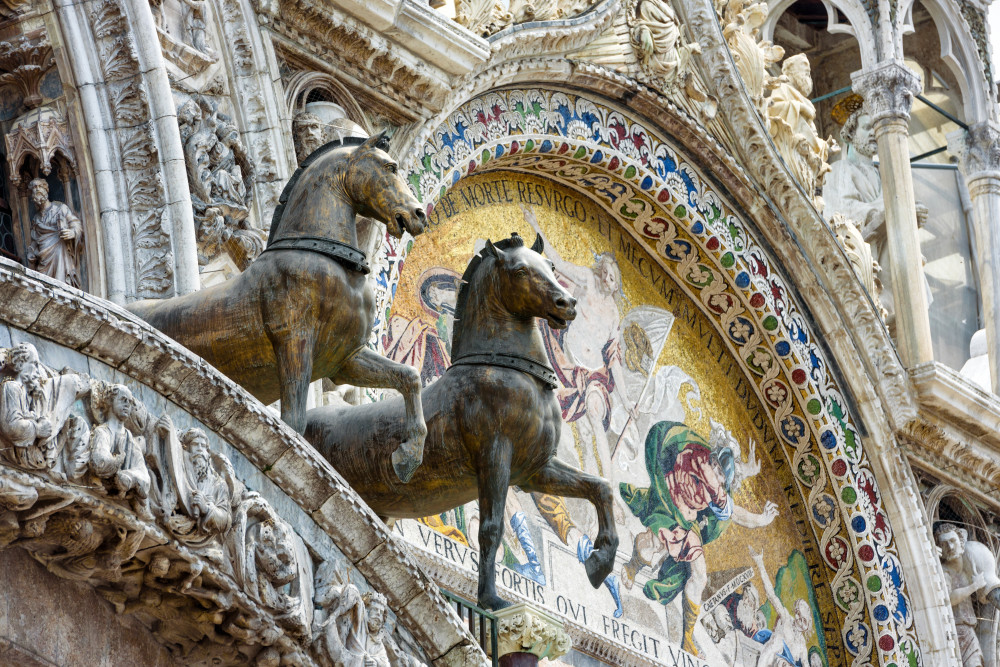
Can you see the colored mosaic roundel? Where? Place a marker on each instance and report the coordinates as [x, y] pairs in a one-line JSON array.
[[712, 253]]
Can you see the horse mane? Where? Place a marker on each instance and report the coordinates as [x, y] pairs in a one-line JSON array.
[[279, 210], [515, 241]]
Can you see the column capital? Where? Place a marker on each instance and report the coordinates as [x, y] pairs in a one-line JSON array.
[[977, 150], [526, 629], [888, 89]]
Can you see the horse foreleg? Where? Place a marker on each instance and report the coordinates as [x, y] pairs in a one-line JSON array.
[[494, 477], [560, 479], [295, 360], [366, 368]]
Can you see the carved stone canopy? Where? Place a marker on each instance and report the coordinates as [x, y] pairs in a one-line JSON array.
[[24, 60], [41, 133]]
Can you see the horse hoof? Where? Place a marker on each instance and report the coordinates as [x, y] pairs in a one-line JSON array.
[[598, 568], [404, 465], [493, 603]]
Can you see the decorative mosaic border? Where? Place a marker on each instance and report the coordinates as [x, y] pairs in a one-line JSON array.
[[640, 178]]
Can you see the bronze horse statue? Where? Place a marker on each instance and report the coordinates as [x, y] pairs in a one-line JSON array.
[[493, 418], [303, 310]]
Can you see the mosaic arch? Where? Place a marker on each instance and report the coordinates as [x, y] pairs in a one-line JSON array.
[[644, 182]]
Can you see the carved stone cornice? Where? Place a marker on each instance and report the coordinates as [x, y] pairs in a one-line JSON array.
[[978, 150], [108, 333], [957, 435], [523, 628], [888, 89]]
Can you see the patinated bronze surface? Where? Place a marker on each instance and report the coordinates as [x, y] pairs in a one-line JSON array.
[[493, 418], [303, 310]]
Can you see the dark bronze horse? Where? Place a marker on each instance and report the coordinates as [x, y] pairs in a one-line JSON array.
[[493, 418], [303, 310]]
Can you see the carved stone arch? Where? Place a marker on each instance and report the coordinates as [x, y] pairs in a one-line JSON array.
[[959, 51], [302, 83], [970, 515], [860, 24], [582, 143]]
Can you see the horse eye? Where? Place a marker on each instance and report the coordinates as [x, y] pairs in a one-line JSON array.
[[392, 167]]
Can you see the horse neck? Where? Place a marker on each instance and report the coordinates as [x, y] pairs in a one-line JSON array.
[[330, 215], [487, 326]]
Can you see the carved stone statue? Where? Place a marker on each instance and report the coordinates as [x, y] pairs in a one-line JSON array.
[[307, 133], [194, 24], [56, 237], [116, 454], [34, 409], [792, 124], [853, 189], [965, 582]]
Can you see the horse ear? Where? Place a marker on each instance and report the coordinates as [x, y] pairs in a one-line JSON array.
[[379, 141], [539, 245], [490, 250]]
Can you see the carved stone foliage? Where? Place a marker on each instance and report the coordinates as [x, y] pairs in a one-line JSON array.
[[978, 149], [134, 130], [220, 178], [741, 21], [488, 17], [888, 90], [974, 14], [24, 60], [99, 490]]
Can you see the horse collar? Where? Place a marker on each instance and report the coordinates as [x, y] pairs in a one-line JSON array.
[[531, 367], [345, 253]]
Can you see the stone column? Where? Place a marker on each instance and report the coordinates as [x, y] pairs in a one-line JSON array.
[[888, 90], [978, 152], [528, 634]]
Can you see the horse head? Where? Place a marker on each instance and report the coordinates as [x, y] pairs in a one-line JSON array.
[[527, 284], [378, 191]]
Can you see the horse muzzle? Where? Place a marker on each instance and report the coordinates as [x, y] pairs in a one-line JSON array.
[[563, 312], [413, 221]]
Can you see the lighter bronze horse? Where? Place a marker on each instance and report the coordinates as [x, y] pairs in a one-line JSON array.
[[493, 418], [303, 310]]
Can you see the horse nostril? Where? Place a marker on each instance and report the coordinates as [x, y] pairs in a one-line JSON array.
[[419, 212], [565, 302]]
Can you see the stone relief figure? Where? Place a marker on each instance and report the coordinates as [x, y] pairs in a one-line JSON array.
[[657, 37], [193, 487], [793, 128], [56, 237], [965, 582], [220, 177], [340, 626], [116, 453], [35, 420], [194, 24]]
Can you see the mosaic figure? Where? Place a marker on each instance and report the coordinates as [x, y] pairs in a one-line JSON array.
[[688, 504]]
